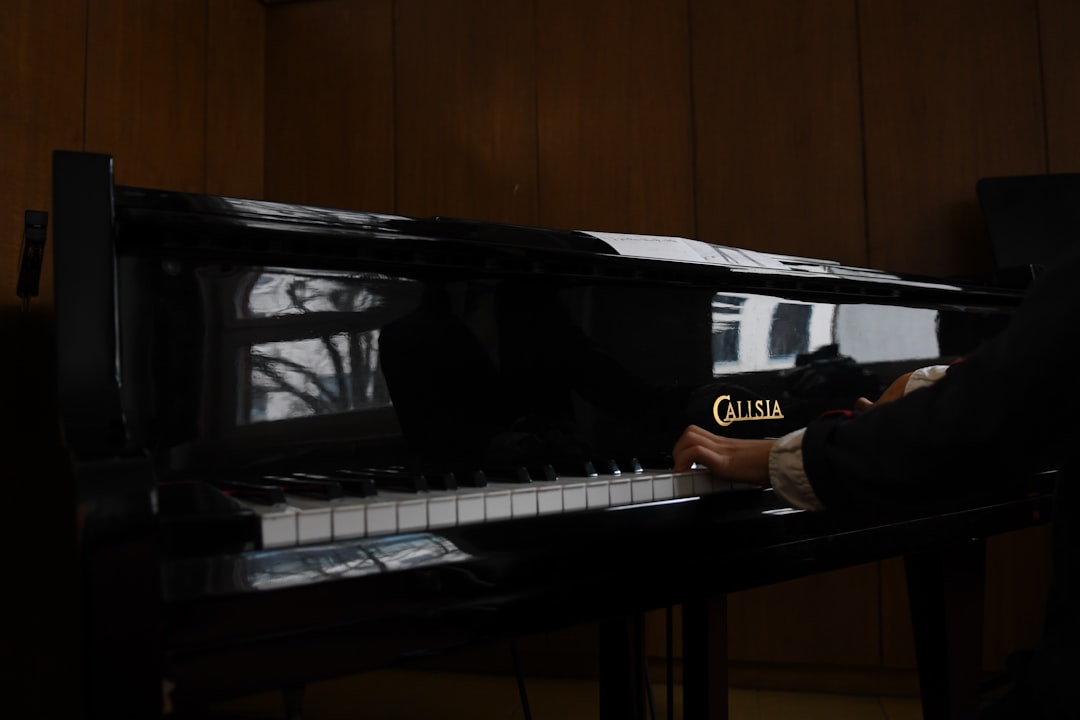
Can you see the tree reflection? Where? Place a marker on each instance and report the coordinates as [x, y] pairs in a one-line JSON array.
[[324, 369]]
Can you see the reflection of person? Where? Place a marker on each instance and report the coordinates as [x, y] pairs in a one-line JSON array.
[[1007, 411]]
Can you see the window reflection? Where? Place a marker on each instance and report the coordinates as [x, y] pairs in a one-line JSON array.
[[307, 344], [760, 332], [725, 328], [275, 294], [789, 333], [318, 376]]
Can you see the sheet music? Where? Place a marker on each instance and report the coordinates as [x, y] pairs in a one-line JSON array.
[[663, 247], [678, 248]]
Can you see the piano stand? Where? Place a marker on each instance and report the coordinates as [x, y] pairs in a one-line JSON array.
[[945, 592], [293, 700], [622, 668]]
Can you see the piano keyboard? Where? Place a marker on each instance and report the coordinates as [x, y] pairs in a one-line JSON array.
[[293, 518]]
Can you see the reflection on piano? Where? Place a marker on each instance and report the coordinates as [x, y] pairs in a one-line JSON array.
[[403, 425]]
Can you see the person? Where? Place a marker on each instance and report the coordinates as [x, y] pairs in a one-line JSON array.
[[1007, 411]]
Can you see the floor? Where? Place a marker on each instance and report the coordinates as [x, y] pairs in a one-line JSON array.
[[449, 696]]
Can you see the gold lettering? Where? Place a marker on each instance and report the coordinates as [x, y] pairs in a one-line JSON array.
[[755, 410]]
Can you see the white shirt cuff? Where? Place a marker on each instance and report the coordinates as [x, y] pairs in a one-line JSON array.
[[925, 377], [787, 474]]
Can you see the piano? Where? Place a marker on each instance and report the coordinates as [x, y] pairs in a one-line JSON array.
[[309, 442]]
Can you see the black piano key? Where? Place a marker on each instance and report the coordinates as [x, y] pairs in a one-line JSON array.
[[575, 468], [607, 466], [350, 486], [544, 473], [262, 493], [390, 479], [324, 489], [442, 480], [631, 465], [472, 478], [519, 475]]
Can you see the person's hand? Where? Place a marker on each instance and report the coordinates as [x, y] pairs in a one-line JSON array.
[[893, 392], [745, 461]]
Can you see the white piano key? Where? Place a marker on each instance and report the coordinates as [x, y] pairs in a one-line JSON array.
[[497, 505], [641, 488], [471, 506], [350, 519], [549, 498], [597, 493], [442, 509], [412, 514], [704, 483], [663, 487], [523, 502], [314, 520], [683, 484], [619, 490], [277, 524], [574, 494], [381, 517]]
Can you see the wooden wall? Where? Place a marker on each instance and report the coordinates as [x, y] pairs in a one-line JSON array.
[[848, 129]]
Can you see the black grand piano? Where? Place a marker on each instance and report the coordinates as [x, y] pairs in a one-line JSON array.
[[309, 442]]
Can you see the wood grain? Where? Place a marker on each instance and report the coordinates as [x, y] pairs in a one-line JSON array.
[[1058, 24], [235, 97], [826, 619], [613, 114], [777, 127], [146, 90], [329, 104], [951, 94], [42, 60], [466, 109]]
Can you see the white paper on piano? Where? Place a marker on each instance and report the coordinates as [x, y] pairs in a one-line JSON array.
[[663, 247]]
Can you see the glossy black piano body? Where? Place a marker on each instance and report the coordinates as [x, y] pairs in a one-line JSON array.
[[207, 345]]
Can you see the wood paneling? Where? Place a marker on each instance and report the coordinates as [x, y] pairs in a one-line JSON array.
[[613, 102], [1018, 570], [235, 97], [829, 619], [1059, 21], [777, 127], [897, 638], [466, 109], [42, 56], [951, 94], [329, 104], [146, 90]]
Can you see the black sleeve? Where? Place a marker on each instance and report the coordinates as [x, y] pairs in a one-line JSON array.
[[1007, 411]]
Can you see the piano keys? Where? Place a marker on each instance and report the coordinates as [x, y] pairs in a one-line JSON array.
[[289, 516]]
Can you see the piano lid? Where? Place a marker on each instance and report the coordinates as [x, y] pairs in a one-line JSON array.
[[249, 332]]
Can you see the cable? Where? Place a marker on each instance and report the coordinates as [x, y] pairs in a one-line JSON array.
[[669, 656], [648, 686], [526, 713]]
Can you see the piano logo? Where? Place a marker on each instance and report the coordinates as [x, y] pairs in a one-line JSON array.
[[726, 411]]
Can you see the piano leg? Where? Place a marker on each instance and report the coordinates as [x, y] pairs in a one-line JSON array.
[[622, 668], [705, 677], [945, 593], [293, 700]]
